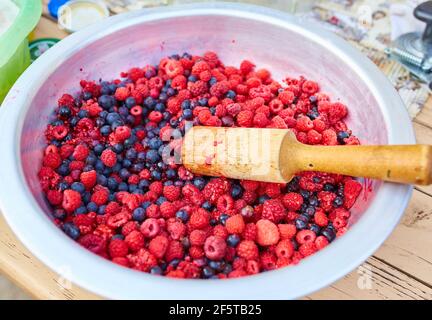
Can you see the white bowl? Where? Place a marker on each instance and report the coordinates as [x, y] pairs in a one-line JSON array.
[[279, 42]]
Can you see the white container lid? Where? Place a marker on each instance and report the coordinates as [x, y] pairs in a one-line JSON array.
[[75, 15]]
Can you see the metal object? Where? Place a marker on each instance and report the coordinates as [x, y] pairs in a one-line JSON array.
[[280, 42], [414, 49]]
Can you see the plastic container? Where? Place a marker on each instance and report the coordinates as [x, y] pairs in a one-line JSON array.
[[14, 51]]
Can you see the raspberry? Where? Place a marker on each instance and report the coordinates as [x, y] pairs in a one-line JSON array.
[[71, 200], [94, 243], [225, 203], [246, 67], [287, 97], [109, 158], [304, 124], [156, 187], [273, 190], [260, 120], [273, 210], [244, 118], [143, 260], [215, 189], [199, 219], [176, 230], [121, 93], [112, 208], [220, 231], [321, 242], [122, 133], [197, 237], [173, 68], [167, 210], [174, 251], [81, 152], [320, 218], [199, 67], [135, 240], [252, 267], [329, 137], [52, 160], [250, 232], [352, 190], [267, 233], [129, 227], [158, 246], [307, 249], [55, 197], [314, 137], [118, 248], [150, 228], [172, 192], [249, 185], [268, 261], [88, 179], [248, 250], [287, 231], [219, 89], [235, 224], [214, 248], [100, 197], [305, 236], [292, 201], [198, 88]]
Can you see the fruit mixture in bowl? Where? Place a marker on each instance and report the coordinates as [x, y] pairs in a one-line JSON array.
[[115, 189]]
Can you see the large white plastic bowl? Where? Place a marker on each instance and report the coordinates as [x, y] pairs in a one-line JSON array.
[[279, 42]]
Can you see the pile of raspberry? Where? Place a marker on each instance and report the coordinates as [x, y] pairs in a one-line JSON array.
[[111, 189]]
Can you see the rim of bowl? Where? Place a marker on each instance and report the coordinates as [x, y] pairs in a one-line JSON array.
[[105, 278]]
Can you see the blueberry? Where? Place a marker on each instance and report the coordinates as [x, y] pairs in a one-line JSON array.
[[207, 272], [160, 200], [174, 263], [73, 121], [310, 211], [156, 175], [227, 121], [101, 210], [329, 234], [192, 78], [227, 269], [338, 201], [203, 102], [133, 188], [263, 198], [63, 170], [98, 149], [171, 174], [187, 114], [217, 265], [313, 201], [143, 184], [92, 207], [64, 112], [223, 218], [106, 101], [301, 223], [71, 230], [131, 154], [118, 236], [212, 81], [207, 206], [112, 117], [105, 130], [182, 215], [149, 102], [59, 214], [305, 194], [170, 92], [124, 174], [236, 191], [139, 214], [233, 240], [186, 104], [63, 186], [156, 270], [199, 182], [155, 143], [78, 186], [230, 94], [152, 156], [130, 102], [146, 204], [313, 99], [329, 187], [123, 186], [341, 135], [313, 114], [87, 95], [315, 228], [293, 185]]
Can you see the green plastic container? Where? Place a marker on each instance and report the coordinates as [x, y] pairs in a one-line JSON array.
[[14, 51]]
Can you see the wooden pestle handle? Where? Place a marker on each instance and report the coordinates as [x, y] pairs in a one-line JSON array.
[[410, 164]]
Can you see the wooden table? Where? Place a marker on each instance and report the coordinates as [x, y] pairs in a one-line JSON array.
[[400, 269]]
